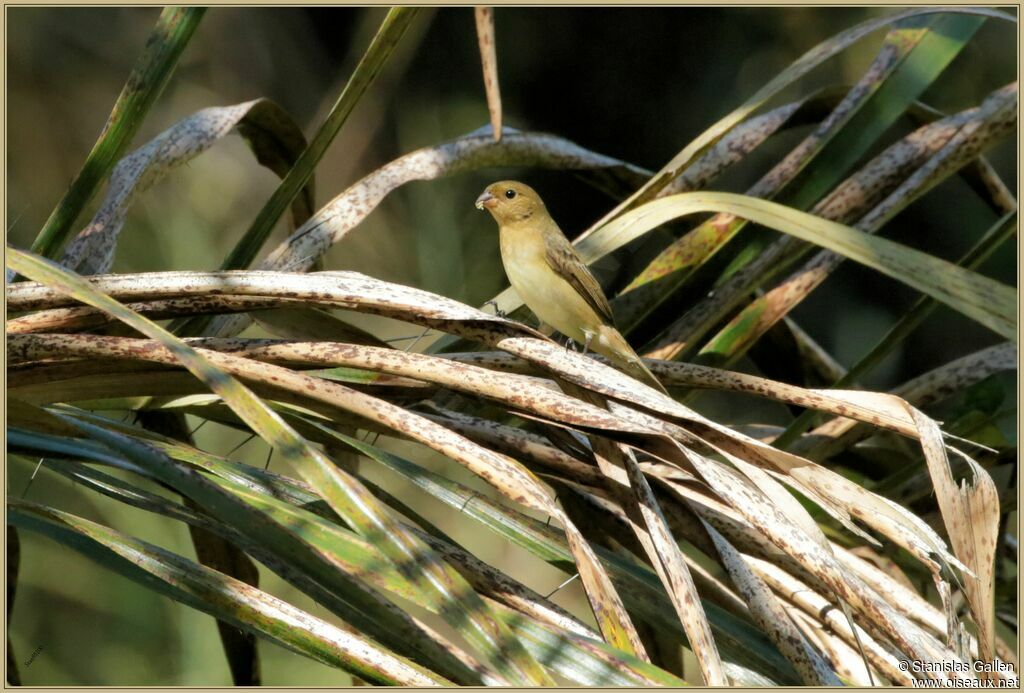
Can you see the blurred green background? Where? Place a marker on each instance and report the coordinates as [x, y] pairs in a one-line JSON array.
[[637, 84]]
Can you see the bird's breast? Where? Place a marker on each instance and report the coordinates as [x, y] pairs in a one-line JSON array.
[[543, 290]]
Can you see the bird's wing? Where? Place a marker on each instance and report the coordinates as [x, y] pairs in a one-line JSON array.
[[562, 258]]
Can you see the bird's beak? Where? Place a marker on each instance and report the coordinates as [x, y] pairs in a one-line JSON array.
[[486, 199]]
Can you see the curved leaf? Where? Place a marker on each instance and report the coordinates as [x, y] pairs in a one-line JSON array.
[[345, 494], [390, 33], [221, 596], [983, 299], [270, 131], [150, 75]]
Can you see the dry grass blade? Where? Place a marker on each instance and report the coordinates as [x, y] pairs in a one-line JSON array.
[[970, 511], [802, 519], [515, 442], [489, 58], [1000, 197], [85, 318], [770, 615], [505, 590], [839, 496], [771, 521], [845, 661], [224, 597], [747, 136], [833, 436], [984, 300], [347, 496], [995, 119], [795, 71], [842, 499], [888, 581], [691, 525], [345, 211], [506, 475], [725, 521], [152, 71], [517, 391], [836, 494], [273, 135], [694, 248], [731, 149], [820, 610], [645, 518], [675, 575], [853, 198], [957, 375]]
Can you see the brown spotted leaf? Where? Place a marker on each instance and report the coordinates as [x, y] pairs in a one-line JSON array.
[[970, 511], [271, 133], [489, 59]]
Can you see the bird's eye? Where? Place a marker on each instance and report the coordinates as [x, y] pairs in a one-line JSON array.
[[510, 194]]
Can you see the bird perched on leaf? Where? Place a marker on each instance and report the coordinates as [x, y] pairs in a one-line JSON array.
[[552, 280]]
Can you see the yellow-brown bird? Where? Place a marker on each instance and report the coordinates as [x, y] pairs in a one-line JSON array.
[[552, 280]]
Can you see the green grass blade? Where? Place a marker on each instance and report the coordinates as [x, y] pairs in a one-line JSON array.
[[942, 39], [985, 300], [219, 553], [1003, 230], [929, 44], [391, 31], [749, 651], [346, 495], [583, 661], [913, 54], [276, 544], [933, 153], [220, 596], [150, 75], [640, 586], [800, 67]]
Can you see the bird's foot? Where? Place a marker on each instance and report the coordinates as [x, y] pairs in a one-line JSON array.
[[586, 344], [497, 311]]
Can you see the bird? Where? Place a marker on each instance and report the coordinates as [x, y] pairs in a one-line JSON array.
[[552, 279]]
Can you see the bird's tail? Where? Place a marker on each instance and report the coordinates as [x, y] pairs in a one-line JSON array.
[[617, 349]]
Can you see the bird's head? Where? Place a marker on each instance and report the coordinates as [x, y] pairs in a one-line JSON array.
[[510, 201]]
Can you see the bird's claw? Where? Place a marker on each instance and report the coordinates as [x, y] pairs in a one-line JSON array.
[[497, 311]]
